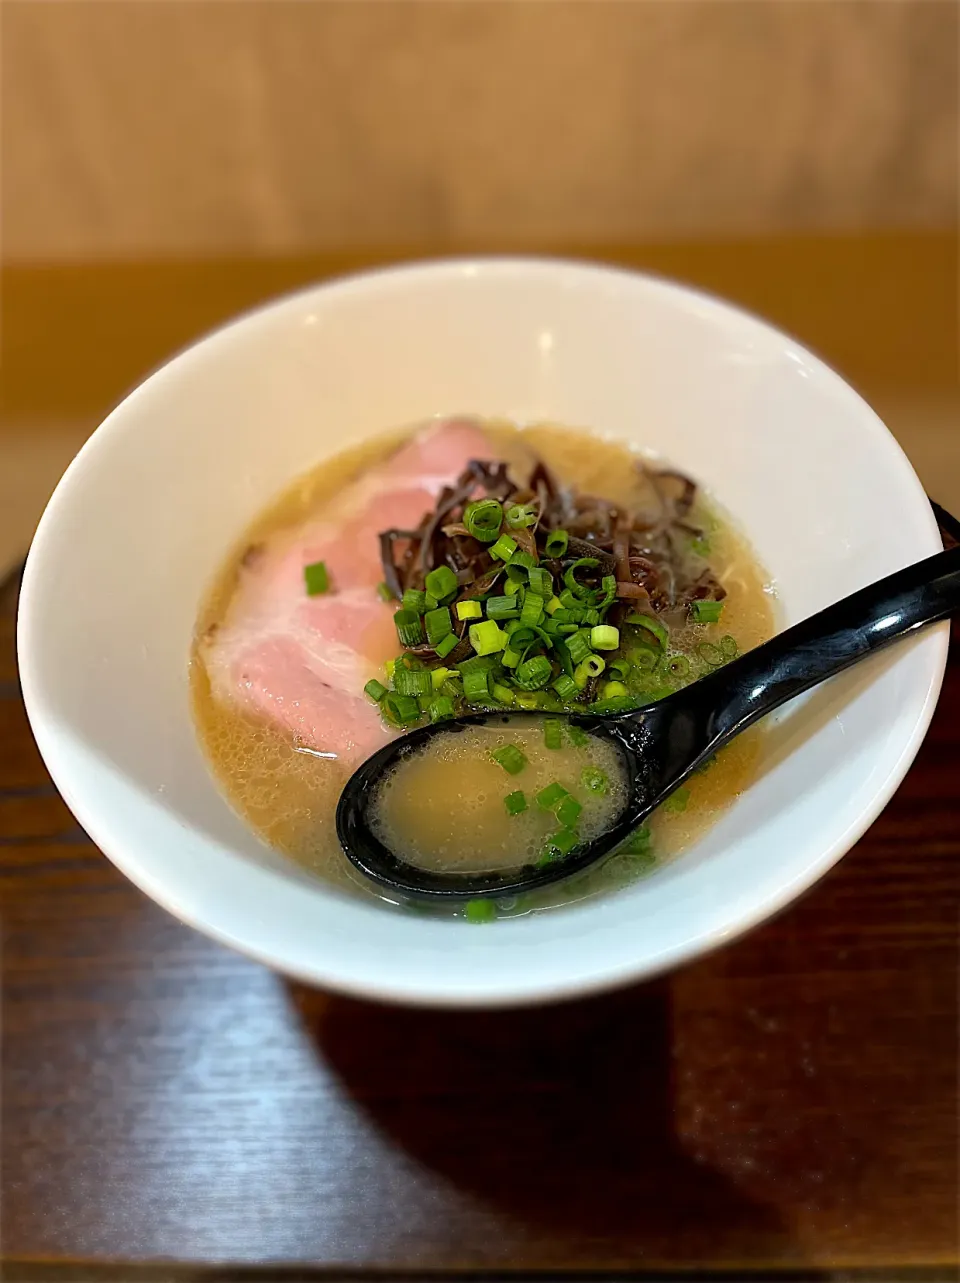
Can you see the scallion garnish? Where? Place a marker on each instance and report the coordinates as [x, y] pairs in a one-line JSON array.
[[440, 708], [552, 733], [565, 687], [613, 690], [604, 637], [578, 647], [476, 685], [521, 515], [533, 674], [415, 599], [510, 758], [568, 812], [706, 612], [502, 608], [553, 605], [710, 654], [439, 675], [560, 843], [480, 911], [532, 611], [592, 666], [556, 544], [729, 647], [487, 638], [541, 582], [677, 801], [510, 657], [449, 643], [570, 576], [652, 626], [502, 694], [504, 548], [516, 803], [412, 681], [548, 797], [483, 519], [316, 579], [523, 559], [678, 666], [409, 628], [578, 738], [469, 610], [401, 709], [438, 624], [638, 843], [441, 583], [376, 690], [592, 778], [385, 592]]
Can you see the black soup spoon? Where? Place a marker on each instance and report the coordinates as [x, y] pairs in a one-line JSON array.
[[662, 744]]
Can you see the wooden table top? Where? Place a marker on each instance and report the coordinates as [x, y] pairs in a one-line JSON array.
[[786, 1107]]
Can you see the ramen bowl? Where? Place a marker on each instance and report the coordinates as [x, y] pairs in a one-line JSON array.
[[153, 503]]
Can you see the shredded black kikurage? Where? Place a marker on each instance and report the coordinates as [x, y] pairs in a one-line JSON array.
[[649, 550]]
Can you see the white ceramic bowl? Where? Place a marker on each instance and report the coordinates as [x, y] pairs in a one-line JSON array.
[[157, 497]]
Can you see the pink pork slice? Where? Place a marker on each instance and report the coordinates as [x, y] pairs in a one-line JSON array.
[[302, 662]]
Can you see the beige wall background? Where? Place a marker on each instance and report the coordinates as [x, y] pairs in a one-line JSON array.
[[144, 128]]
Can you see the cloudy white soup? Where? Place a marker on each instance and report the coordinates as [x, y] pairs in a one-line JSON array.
[[472, 567]]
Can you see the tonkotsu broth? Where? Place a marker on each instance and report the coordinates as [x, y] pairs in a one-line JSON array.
[[288, 794]]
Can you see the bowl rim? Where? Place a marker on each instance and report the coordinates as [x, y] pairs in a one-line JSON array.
[[387, 989]]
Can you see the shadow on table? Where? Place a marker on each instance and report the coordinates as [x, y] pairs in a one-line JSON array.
[[561, 1116]]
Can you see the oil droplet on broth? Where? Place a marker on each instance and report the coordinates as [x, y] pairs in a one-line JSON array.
[[444, 809]]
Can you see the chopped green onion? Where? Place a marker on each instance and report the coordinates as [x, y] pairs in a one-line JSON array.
[[401, 709], [728, 647], [678, 666], [570, 577], [578, 738], [440, 583], [706, 612], [512, 587], [677, 802], [532, 611], [522, 559], [409, 627], [533, 674], [487, 638], [438, 624], [439, 675], [448, 644], [516, 803], [510, 657], [548, 797], [592, 778], [502, 694], [553, 606], [480, 911], [710, 654], [568, 812], [556, 544], [593, 666], [700, 546], [541, 582], [430, 602], [638, 843], [469, 610], [591, 618], [376, 690], [521, 515], [385, 592], [504, 548], [578, 646], [552, 733], [644, 657], [613, 690], [604, 637], [510, 758], [388, 667], [440, 708], [619, 669], [316, 578], [652, 626], [476, 685], [502, 608], [483, 519], [565, 687], [415, 599], [410, 681], [560, 843]]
